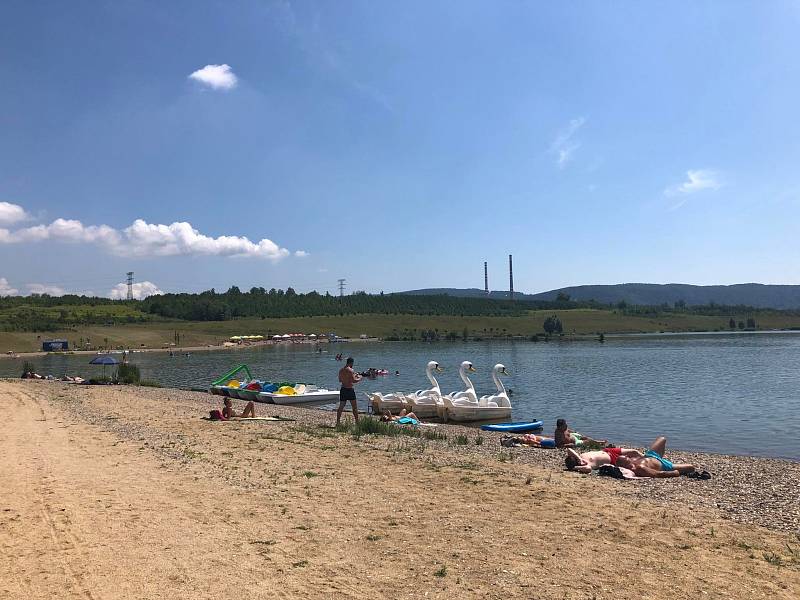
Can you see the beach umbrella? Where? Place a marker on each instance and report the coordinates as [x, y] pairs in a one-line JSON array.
[[104, 360]]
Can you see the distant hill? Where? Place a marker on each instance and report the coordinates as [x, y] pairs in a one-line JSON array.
[[748, 294], [466, 293]]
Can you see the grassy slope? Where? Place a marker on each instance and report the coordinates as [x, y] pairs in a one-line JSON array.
[[119, 311], [158, 333]]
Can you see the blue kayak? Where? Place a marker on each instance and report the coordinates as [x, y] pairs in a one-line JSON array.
[[514, 427]]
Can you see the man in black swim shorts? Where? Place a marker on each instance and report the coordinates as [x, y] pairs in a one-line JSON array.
[[348, 378]]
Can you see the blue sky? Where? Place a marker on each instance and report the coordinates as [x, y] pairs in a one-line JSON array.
[[397, 145]]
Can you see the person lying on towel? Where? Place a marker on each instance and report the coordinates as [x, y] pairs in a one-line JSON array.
[[404, 418], [585, 462], [228, 412], [651, 463]]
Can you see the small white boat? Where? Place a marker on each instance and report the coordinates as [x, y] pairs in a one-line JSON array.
[[245, 394], [486, 408], [309, 393], [321, 395]]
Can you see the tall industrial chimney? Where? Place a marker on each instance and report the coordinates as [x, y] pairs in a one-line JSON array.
[[486, 277], [510, 277]]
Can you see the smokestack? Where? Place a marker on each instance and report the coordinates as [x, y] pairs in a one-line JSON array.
[[486, 277], [510, 277]]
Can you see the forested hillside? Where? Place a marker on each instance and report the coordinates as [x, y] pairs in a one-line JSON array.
[[258, 302], [46, 313], [652, 294]]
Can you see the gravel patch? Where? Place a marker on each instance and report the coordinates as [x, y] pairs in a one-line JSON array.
[[752, 490]]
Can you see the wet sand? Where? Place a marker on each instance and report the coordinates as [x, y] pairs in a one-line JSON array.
[[119, 492]]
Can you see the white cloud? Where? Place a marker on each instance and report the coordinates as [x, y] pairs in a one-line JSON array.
[[301, 253], [41, 288], [11, 213], [696, 181], [701, 179], [6, 289], [141, 289], [218, 77], [144, 239], [564, 146]]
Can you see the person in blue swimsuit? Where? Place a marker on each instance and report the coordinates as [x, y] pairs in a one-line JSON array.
[[653, 464], [404, 418]]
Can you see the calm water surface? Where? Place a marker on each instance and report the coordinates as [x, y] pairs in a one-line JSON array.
[[736, 394]]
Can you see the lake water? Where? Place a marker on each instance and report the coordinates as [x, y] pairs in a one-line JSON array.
[[735, 394]]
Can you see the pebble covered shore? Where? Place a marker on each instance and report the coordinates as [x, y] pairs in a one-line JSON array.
[[759, 491]]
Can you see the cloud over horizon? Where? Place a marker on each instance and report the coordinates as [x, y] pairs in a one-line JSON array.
[[147, 240], [6, 289], [12, 213], [141, 290], [42, 288], [217, 77]]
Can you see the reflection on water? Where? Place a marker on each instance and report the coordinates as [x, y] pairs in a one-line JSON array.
[[732, 394]]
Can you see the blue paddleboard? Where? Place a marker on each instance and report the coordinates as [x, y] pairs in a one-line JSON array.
[[514, 427]]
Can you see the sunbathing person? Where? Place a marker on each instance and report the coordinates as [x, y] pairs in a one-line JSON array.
[[403, 418], [228, 412], [653, 463], [569, 439], [538, 441], [586, 461]]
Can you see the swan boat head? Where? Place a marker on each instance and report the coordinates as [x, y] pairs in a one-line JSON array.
[[499, 399], [469, 393], [433, 366], [430, 369]]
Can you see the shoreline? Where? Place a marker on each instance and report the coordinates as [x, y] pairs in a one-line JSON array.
[[127, 491], [581, 337], [466, 427], [180, 350], [739, 483]]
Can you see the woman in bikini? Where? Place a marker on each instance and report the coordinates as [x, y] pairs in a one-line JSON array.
[[228, 412]]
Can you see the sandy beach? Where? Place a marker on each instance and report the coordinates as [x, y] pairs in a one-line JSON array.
[[121, 492]]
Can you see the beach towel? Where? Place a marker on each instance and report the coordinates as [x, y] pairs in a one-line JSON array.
[[245, 419]]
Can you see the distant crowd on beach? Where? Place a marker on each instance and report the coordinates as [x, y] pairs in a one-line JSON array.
[[68, 378]]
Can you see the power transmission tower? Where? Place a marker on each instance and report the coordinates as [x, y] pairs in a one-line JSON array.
[[341, 286], [130, 285]]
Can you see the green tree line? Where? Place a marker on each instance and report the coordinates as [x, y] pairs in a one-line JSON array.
[[43, 312]]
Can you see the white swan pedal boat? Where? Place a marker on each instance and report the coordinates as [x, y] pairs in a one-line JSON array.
[[426, 403], [394, 402], [467, 406], [422, 403]]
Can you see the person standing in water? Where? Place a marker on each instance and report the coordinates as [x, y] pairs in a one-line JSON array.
[[348, 378]]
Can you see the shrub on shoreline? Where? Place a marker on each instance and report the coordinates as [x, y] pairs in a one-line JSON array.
[[370, 426], [128, 374]]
